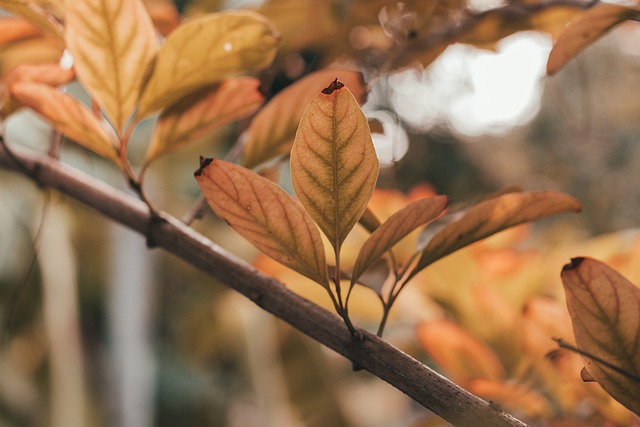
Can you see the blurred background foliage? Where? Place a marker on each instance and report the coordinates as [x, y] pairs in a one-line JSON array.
[[103, 332]]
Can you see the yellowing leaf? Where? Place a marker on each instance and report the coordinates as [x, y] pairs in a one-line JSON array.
[[605, 313], [273, 129], [266, 215], [36, 15], [395, 229], [202, 112], [112, 43], [494, 215], [586, 29], [67, 115], [333, 162], [206, 50]]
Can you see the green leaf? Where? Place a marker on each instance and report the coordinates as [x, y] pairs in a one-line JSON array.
[[266, 215], [112, 43], [67, 115], [206, 50], [491, 216], [198, 114], [586, 29], [273, 129], [333, 162], [394, 229], [605, 313]]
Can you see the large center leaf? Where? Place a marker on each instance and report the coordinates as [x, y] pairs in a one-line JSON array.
[[333, 162]]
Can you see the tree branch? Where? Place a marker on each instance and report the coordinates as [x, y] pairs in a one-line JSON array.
[[424, 385]]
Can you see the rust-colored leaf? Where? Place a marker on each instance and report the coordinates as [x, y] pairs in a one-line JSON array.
[[494, 215], [112, 43], [206, 50], [605, 313], [273, 129], [333, 162], [36, 15], [15, 29], [164, 15], [462, 356], [398, 226], [199, 114], [266, 215], [585, 30], [67, 115]]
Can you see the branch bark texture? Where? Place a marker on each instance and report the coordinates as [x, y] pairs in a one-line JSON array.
[[371, 353]]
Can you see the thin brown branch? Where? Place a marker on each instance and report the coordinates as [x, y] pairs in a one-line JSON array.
[[427, 387]]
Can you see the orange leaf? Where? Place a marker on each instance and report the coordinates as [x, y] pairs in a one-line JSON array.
[[491, 216], [15, 29], [585, 30], [333, 162], [513, 397], [266, 215], [460, 354], [202, 112], [67, 115], [36, 15], [605, 313], [273, 129], [112, 43], [164, 15], [398, 226]]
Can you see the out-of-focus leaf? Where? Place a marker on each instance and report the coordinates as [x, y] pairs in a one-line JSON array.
[[333, 162], [49, 74], [266, 215], [490, 217], [36, 15], [395, 229], [273, 129], [605, 313], [164, 15], [30, 51], [112, 43], [512, 396], [458, 353], [206, 50], [204, 111], [67, 115], [14, 29], [585, 30], [375, 276]]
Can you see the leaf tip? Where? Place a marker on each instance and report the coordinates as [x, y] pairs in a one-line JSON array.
[[204, 162], [333, 86], [575, 263]]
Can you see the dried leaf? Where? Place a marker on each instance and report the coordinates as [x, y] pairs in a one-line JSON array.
[[463, 356], [29, 51], [36, 15], [395, 229], [266, 215], [164, 15], [206, 50], [585, 30], [333, 162], [491, 216], [273, 129], [112, 43], [369, 221], [605, 313], [67, 115], [199, 114]]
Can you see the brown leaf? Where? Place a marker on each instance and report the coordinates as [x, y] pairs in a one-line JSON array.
[[112, 43], [273, 129], [206, 50], [492, 216], [266, 215], [333, 162], [204, 111], [585, 30], [605, 313], [36, 15], [395, 229], [67, 115], [15, 29], [164, 15]]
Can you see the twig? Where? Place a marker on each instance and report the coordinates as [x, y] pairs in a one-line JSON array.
[[430, 389]]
